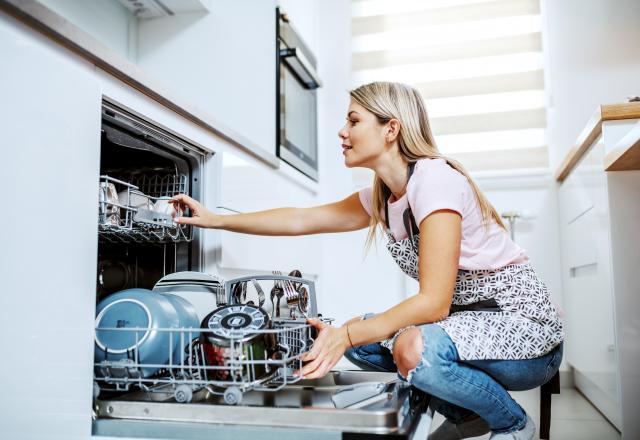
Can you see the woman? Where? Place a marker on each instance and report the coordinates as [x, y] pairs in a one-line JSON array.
[[482, 321]]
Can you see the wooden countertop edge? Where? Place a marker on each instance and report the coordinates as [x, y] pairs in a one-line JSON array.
[[625, 156], [592, 130], [63, 32]]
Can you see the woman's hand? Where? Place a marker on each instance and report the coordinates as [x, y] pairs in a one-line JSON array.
[[200, 216], [327, 350]]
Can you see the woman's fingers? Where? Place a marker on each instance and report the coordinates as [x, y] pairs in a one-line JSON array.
[[199, 216], [320, 371], [185, 200]]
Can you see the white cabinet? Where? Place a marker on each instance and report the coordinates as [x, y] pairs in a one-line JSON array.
[[223, 62], [50, 119], [588, 296], [246, 187]]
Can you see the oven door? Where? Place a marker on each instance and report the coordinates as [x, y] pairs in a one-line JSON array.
[[298, 137]]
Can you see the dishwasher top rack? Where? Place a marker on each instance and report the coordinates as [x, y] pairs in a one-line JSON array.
[[120, 221]]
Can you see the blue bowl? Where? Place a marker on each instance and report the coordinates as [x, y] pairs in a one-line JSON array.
[[135, 308], [188, 320]]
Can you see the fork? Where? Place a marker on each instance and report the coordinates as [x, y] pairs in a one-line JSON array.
[[278, 290], [293, 300]]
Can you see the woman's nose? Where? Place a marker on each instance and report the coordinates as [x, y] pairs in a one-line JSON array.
[[342, 133]]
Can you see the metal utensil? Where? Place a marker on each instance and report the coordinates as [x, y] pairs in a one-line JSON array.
[[277, 285], [296, 273], [239, 293], [260, 292], [303, 303], [293, 298], [272, 295]]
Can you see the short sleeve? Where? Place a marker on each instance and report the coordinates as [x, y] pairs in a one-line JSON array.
[[365, 198], [435, 186]]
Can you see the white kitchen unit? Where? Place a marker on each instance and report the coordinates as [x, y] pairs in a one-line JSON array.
[[50, 147], [600, 256], [219, 55]]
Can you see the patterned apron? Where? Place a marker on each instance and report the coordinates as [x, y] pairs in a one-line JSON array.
[[495, 314]]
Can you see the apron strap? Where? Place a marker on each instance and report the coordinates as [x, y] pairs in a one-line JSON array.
[[487, 305], [387, 193]]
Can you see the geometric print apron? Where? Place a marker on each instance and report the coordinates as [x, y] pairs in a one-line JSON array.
[[504, 313]]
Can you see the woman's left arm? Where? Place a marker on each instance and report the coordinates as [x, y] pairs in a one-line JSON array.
[[440, 236]]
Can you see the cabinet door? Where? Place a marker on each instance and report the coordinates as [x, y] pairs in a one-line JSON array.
[[50, 119], [591, 347]]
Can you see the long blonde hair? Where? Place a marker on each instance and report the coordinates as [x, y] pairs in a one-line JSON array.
[[388, 100]]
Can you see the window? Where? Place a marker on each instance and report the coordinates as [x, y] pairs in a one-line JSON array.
[[478, 64]]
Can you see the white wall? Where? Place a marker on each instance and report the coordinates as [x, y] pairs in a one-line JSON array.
[[593, 58]]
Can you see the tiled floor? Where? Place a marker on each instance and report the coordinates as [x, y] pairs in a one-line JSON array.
[[572, 416]]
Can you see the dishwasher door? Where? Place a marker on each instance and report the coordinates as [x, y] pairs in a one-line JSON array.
[[305, 408]]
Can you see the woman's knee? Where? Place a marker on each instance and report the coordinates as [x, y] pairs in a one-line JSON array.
[[407, 350]]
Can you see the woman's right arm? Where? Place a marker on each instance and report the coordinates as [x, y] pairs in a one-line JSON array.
[[343, 216]]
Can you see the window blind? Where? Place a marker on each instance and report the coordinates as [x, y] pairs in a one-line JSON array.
[[478, 65]]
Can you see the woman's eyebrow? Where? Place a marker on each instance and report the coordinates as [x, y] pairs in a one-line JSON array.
[[352, 111]]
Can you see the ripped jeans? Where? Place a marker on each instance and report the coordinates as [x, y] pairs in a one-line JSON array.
[[460, 388]]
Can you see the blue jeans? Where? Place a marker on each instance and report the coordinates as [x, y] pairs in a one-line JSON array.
[[461, 388]]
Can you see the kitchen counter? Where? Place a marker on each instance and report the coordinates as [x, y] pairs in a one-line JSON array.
[[65, 33], [624, 156]]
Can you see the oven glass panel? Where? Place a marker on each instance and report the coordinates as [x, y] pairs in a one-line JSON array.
[[300, 118]]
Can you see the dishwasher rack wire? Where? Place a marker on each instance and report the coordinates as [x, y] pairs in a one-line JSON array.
[[243, 364], [128, 215], [228, 372]]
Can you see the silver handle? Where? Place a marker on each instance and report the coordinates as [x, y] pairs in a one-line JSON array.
[[295, 59]]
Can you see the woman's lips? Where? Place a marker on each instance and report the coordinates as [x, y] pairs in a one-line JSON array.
[[345, 148]]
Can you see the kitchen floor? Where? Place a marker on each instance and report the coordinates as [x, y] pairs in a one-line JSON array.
[[572, 416]]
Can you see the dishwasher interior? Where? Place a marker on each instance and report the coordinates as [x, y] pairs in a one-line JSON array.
[[139, 247], [142, 163]]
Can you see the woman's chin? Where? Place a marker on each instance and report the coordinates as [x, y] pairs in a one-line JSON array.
[[349, 162]]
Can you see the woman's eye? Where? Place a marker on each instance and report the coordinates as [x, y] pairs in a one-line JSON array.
[[353, 123]]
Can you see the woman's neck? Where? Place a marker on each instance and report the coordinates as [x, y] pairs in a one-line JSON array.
[[393, 172]]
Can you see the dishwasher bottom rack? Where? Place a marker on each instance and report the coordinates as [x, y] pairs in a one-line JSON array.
[[265, 360]]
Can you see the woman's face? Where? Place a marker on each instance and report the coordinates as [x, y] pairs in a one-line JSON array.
[[363, 137]]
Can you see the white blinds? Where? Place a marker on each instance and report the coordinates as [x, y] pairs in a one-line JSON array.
[[478, 64]]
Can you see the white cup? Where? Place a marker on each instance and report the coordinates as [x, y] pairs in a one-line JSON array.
[[163, 206]]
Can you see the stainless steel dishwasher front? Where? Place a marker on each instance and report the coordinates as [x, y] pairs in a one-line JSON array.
[[305, 408]]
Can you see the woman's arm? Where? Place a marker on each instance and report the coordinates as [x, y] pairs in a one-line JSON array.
[[440, 236], [343, 216]]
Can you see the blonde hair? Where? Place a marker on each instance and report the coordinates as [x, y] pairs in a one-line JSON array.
[[388, 100]]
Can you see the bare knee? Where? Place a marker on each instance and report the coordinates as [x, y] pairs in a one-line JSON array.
[[407, 350]]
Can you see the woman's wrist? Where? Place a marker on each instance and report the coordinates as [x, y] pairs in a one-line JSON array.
[[345, 336], [215, 221]]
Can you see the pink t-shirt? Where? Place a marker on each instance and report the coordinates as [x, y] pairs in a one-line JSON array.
[[434, 185]]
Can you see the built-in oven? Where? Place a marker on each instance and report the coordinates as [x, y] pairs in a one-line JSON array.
[[296, 103]]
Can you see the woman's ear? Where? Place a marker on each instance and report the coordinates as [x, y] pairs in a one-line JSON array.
[[393, 129]]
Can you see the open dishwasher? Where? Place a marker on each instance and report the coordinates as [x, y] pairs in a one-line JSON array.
[[190, 395], [194, 397]]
